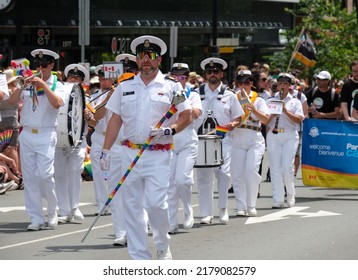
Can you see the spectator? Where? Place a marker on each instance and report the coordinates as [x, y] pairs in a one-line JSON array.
[[322, 99], [349, 89]]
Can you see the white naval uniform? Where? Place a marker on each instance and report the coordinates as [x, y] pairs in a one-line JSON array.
[[68, 170], [105, 181], [38, 141], [224, 110], [140, 107], [248, 148], [282, 148], [181, 167]]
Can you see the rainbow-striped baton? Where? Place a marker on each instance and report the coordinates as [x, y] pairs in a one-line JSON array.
[[177, 99]]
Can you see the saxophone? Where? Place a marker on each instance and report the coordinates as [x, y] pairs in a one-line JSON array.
[[244, 101]]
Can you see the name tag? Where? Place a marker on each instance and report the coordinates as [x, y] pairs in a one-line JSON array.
[[128, 93]]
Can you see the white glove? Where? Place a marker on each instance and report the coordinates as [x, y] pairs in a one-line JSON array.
[[161, 132], [104, 160]]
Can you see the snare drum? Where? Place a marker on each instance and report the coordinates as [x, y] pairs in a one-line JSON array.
[[209, 152], [71, 123]]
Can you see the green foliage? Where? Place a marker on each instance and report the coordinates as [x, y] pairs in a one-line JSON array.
[[334, 33]]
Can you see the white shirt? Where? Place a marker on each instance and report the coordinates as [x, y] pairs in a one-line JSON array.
[[292, 105], [45, 115], [224, 110], [188, 136], [3, 86], [142, 106], [260, 106]]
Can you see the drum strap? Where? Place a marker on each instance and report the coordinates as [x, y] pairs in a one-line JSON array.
[[256, 128], [154, 147]]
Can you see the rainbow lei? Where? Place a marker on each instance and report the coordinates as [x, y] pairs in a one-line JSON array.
[[155, 147], [35, 92]]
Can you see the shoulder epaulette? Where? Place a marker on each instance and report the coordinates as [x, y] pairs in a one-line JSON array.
[[171, 79], [127, 79]]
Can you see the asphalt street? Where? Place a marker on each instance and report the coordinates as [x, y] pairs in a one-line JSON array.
[[323, 225]]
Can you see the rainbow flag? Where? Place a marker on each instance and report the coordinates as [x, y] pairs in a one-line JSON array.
[[221, 130], [5, 138]]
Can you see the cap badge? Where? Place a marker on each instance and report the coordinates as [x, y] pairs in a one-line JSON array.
[[126, 60], [146, 43], [41, 54], [179, 66], [75, 70], [211, 63]]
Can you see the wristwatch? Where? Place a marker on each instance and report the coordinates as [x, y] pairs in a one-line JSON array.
[[173, 131]]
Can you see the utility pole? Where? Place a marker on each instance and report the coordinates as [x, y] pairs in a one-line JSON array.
[[215, 28], [83, 26]]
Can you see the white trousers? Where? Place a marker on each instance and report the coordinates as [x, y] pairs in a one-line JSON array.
[[181, 181], [37, 162], [205, 178], [282, 148], [68, 169], [146, 188], [246, 154], [105, 182]]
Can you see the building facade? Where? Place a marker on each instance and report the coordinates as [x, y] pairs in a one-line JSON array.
[[244, 30]]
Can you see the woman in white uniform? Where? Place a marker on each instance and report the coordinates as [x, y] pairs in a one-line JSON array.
[[282, 142], [248, 146]]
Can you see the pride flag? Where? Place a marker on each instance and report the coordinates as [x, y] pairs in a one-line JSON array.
[[221, 130]]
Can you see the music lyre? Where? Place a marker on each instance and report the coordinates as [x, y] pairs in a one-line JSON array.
[[275, 131]]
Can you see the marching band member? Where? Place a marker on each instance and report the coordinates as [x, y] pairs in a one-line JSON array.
[[181, 178], [139, 103], [248, 146], [130, 68], [97, 139], [69, 161], [226, 109], [41, 103], [282, 142]]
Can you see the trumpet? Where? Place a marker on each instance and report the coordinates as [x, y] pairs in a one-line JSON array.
[[20, 82], [90, 107]]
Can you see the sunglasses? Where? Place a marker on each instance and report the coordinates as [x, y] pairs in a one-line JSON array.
[[180, 77], [245, 83], [41, 62], [318, 79], [211, 71], [263, 79], [151, 55]]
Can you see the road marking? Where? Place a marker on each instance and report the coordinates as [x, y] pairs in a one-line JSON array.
[[64, 234], [22, 208], [51, 237], [283, 214]]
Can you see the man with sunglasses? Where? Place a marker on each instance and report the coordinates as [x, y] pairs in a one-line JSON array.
[[227, 111], [185, 152], [138, 104], [322, 100], [42, 99]]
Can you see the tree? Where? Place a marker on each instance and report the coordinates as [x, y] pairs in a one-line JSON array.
[[334, 33]]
